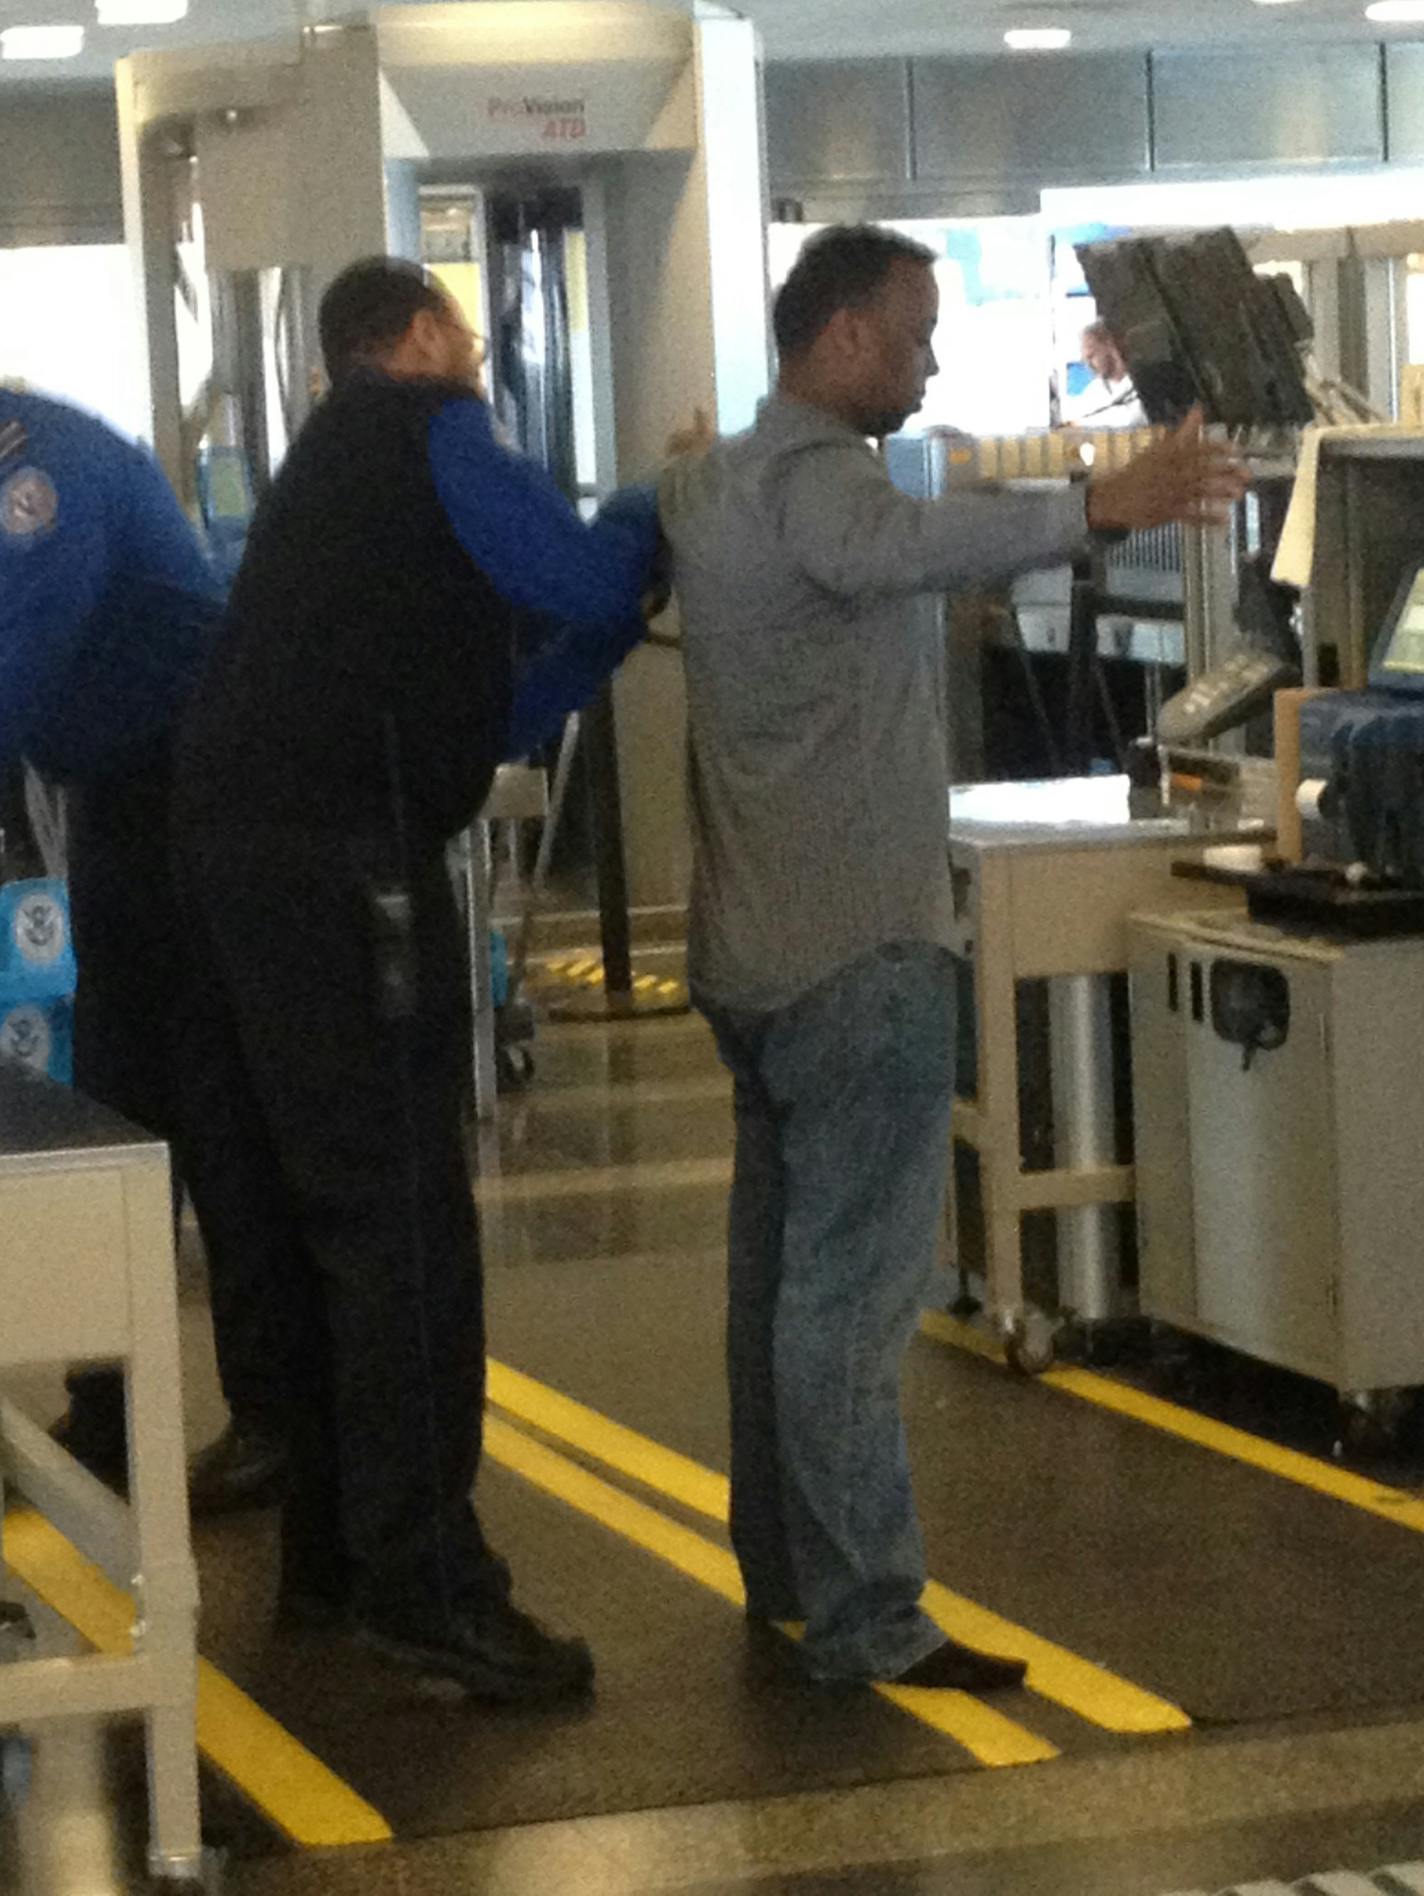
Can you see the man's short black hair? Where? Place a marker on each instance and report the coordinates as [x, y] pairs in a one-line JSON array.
[[840, 268], [369, 307]]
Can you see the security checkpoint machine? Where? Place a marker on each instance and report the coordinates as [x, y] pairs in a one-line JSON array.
[[585, 176], [1277, 1053]]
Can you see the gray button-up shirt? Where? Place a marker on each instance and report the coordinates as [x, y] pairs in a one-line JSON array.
[[818, 761]]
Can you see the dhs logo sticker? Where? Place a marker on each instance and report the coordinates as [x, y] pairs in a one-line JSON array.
[[29, 505], [40, 931], [26, 1038]]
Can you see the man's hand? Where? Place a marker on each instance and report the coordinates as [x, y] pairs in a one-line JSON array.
[[694, 440], [1186, 477]]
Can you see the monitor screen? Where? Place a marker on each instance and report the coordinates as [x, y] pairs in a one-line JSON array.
[[1398, 663], [1196, 324]]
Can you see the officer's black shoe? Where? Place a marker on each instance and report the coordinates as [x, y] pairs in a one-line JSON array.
[[243, 1468], [302, 1613], [494, 1652], [952, 1667], [97, 1446]]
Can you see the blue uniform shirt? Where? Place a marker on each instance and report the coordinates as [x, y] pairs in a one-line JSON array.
[[528, 540], [108, 606]]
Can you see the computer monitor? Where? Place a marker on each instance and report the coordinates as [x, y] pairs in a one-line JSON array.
[[1196, 325], [1398, 660]]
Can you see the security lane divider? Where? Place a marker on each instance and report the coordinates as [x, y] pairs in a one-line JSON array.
[[1080, 1686], [292, 1788], [988, 1735], [1169, 1418]]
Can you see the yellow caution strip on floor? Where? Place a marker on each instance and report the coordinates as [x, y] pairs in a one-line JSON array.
[[625, 1450], [610, 1181], [292, 1788], [986, 1734], [1094, 1693], [1081, 1687], [1170, 1418]]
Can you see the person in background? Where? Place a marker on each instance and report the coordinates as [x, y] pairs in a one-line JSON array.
[[1110, 400], [348, 725], [108, 609], [822, 915]]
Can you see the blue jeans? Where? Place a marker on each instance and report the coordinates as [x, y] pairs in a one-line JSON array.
[[843, 1104]]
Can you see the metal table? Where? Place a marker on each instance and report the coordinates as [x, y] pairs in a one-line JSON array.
[[87, 1275], [1045, 876]]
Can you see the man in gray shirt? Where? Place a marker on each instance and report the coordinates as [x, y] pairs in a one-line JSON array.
[[821, 911]]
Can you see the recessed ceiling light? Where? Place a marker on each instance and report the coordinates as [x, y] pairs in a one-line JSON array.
[[41, 42], [1037, 39], [1275, 3], [140, 12], [1395, 12]]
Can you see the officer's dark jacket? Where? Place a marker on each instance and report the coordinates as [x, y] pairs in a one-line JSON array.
[[362, 676]]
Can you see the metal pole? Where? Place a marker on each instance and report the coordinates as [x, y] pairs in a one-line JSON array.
[[1196, 608], [1080, 1028], [475, 871], [615, 931], [1082, 658], [251, 373]]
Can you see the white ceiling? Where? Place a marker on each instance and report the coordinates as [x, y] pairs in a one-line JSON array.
[[806, 29]]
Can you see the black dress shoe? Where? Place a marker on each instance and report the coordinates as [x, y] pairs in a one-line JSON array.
[[759, 1613], [494, 1652], [243, 1468], [955, 1668]]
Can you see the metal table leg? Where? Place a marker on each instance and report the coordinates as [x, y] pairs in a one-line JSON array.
[[1080, 1022], [475, 866]]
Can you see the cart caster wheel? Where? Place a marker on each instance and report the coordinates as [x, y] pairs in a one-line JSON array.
[[514, 1067], [14, 1769], [1030, 1348], [1371, 1423], [204, 1874]]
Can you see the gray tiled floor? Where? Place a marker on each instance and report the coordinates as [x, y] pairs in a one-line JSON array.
[[606, 1281]]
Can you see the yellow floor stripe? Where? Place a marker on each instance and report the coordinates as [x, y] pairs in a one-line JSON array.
[[602, 1181], [1101, 1697], [986, 1734], [1088, 1690], [625, 1450], [307, 1802], [1306, 1471]]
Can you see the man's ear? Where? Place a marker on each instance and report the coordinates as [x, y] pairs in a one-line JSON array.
[[424, 334], [841, 336]]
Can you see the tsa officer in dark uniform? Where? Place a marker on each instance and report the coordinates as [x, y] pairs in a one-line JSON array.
[[108, 609], [360, 695]]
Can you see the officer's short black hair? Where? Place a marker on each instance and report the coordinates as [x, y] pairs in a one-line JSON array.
[[840, 268], [369, 307]]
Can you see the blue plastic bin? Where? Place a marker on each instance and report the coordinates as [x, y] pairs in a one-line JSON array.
[[37, 978]]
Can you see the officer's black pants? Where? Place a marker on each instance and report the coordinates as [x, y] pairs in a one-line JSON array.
[[132, 1014], [121, 914], [332, 1049]]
